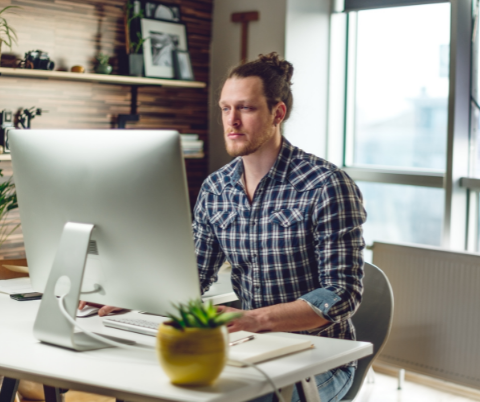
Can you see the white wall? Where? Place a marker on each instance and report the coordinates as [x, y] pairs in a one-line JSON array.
[[265, 36], [307, 47]]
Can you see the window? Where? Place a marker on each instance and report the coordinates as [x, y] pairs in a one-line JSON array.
[[401, 87], [405, 117]]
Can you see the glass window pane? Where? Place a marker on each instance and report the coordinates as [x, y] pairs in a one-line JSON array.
[[402, 214], [401, 91]]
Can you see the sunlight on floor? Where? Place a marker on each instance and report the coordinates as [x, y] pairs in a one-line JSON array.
[[385, 390]]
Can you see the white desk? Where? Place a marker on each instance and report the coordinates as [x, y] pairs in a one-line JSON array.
[[136, 375]]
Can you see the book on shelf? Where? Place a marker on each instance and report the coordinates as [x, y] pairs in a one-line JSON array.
[[189, 137], [265, 346]]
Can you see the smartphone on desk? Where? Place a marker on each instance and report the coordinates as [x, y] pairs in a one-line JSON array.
[[26, 296]]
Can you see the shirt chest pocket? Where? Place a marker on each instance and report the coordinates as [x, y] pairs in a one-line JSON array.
[[286, 217], [223, 219], [288, 231]]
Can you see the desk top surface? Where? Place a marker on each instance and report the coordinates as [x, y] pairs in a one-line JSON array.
[[136, 375]]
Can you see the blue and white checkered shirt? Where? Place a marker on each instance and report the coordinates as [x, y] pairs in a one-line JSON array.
[[300, 238]]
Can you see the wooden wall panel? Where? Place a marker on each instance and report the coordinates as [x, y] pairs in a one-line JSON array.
[[73, 32]]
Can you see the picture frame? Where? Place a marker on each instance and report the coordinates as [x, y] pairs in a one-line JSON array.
[[183, 65], [161, 11], [163, 38]]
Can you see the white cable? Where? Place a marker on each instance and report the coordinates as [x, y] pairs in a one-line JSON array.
[[92, 334], [270, 381]]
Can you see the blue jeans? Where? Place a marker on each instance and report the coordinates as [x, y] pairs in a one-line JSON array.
[[332, 386]]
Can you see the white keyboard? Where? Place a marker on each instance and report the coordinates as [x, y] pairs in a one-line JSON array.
[[133, 325]]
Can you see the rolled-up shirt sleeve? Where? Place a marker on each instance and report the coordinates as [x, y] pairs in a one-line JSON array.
[[339, 245]]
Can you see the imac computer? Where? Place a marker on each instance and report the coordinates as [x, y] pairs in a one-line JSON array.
[[106, 219]]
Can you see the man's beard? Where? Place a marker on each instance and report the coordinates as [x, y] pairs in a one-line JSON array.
[[247, 148]]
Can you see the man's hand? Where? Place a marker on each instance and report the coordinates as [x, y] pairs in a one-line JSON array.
[[293, 316], [103, 310], [247, 322]]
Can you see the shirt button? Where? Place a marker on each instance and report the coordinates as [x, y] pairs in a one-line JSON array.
[[326, 305]]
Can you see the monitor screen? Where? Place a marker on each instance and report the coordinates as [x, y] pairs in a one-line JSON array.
[[131, 185]]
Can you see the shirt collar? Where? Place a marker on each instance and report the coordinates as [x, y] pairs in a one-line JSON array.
[[279, 171], [281, 167]]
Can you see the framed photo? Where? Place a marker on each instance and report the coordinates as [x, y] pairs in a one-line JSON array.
[[161, 11], [182, 65], [162, 39]]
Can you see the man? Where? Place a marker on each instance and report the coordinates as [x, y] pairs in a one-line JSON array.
[[288, 222]]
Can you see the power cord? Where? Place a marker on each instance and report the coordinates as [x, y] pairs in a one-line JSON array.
[[269, 380], [61, 304]]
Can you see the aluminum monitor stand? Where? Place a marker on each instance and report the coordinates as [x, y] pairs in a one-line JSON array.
[[51, 326]]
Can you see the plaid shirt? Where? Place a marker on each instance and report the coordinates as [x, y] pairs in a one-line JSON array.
[[300, 238]]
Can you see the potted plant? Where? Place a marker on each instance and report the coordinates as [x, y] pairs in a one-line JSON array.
[[135, 42], [8, 201], [193, 347], [7, 33], [103, 66]]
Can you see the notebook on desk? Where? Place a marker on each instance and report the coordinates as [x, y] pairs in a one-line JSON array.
[[265, 347]]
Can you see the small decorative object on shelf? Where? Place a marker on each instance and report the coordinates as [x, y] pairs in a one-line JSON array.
[[77, 69], [103, 66], [38, 60], [159, 11], [6, 123], [182, 65], [163, 38], [134, 39], [7, 33], [193, 347]]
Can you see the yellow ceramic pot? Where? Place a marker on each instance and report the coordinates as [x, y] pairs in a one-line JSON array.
[[194, 356]]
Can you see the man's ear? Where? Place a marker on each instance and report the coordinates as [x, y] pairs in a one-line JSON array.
[[280, 111]]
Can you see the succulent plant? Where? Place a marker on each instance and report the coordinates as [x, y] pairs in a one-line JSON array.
[[196, 314], [103, 59]]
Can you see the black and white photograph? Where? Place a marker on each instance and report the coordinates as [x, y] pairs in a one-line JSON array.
[[161, 11], [183, 65], [163, 39]]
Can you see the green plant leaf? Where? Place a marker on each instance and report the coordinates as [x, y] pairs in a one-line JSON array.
[[225, 318]]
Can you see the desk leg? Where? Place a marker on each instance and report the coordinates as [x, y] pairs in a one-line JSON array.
[[307, 390], [52, 394], [8, 390], [286, 393]]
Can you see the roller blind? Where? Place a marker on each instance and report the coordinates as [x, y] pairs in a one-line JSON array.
[[357, 5]]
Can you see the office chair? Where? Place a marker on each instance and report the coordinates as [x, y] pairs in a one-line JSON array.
[[372, 321]]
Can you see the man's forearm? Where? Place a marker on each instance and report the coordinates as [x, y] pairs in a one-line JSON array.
[[294, 316]]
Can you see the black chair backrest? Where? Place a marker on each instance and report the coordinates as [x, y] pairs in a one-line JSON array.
[[372, 320]]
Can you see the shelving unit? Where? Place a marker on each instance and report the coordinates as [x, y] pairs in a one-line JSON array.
[[133, 82]]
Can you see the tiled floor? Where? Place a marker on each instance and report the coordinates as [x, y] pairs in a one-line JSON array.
[[385, 390]]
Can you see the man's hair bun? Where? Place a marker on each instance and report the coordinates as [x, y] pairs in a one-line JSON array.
[[283, 67]]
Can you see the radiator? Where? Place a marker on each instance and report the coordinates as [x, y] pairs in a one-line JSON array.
[[436, 325]]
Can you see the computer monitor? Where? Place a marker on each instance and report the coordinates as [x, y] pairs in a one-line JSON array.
[[121, 194]]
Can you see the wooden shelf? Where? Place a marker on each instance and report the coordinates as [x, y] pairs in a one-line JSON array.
[[101, 78]]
